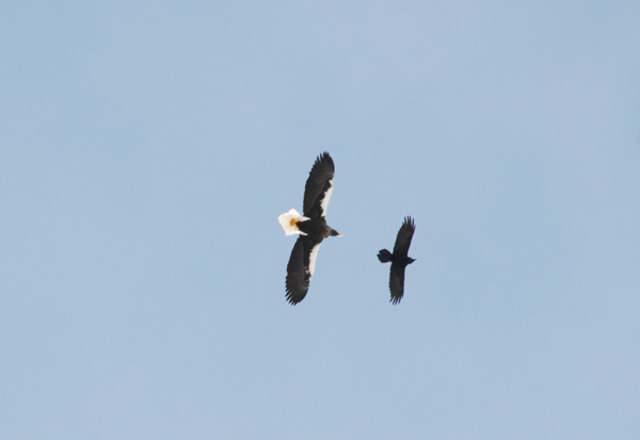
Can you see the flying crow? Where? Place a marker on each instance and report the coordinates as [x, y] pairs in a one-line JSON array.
[[399, 259]]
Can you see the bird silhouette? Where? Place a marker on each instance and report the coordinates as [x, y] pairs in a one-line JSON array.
[[312, 227], [399, 259]]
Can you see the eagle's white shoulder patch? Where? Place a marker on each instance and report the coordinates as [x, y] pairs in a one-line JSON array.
[[324, 205], [313, 256]]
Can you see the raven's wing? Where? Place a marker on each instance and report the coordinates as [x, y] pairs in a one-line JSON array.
[[403, 240], [317, 190], [300, 268], [396, 281]]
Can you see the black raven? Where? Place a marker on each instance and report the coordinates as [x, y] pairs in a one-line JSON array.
[[399, 259]]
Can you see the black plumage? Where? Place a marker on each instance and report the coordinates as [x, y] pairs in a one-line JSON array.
[[312, 227], [399, 259]]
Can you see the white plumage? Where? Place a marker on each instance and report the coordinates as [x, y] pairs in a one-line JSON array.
[[286, 219]]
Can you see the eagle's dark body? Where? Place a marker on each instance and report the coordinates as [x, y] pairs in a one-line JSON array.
[[312, 227]]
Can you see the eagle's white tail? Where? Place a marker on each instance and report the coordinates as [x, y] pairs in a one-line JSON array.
[[289, 221]]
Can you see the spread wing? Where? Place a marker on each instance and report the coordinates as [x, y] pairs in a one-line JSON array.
[[396, 281], [319, 186], [302, 264], [403, 240]]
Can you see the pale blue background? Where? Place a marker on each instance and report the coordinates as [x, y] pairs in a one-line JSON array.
[[146, 149]]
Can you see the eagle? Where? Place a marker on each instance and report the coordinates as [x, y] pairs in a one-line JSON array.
[[311, 226], [399, 259]]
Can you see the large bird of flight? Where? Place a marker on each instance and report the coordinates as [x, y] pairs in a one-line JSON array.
[[312, 227]]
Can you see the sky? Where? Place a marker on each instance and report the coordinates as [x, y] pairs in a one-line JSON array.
[[147, 148]]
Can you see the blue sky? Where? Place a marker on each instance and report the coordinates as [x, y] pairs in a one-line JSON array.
[[147, 148]]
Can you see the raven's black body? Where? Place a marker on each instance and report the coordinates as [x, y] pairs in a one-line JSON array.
[[399, 259]]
